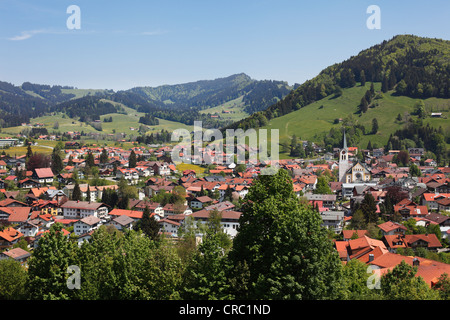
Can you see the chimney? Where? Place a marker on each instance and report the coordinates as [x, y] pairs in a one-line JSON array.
[[371, 257], [415, 262]]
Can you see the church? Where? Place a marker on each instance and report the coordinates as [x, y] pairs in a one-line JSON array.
[[350, 172]]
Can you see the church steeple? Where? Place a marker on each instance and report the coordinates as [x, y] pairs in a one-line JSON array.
[[344, 141], [344, 164]]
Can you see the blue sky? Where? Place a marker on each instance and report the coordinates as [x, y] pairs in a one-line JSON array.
[[131, 43]]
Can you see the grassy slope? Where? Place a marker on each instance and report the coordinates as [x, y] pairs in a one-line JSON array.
[[121, 123], [236, 105], [313, 122]]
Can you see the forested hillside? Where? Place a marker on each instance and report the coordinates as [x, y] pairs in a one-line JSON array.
[[180, 103], [412, 66]]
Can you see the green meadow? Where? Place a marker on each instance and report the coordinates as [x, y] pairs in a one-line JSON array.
[[315, 120]]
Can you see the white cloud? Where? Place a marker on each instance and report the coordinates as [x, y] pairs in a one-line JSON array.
[[153, 33], [26, 35]]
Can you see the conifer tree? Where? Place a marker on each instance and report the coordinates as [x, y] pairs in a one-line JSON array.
[[148, 225], [76, 194], [132, 160]]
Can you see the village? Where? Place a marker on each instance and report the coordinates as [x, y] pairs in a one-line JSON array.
[[336, 185]]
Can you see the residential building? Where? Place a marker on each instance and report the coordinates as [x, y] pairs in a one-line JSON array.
[[86, 225], [43, 175], [81, 209]]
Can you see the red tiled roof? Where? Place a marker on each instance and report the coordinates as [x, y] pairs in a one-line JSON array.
[[389, 226], [16, 253], [130, 213], [10, 234], [348, 234], [44, 172], [428, 269], [17, 214]]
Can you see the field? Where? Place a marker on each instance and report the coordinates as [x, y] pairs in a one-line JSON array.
[[186, 166], [20, 151]]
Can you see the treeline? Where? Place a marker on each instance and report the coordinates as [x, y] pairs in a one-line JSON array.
[[263, 94], [88, 108], [415, 134], [200, 94], [161, 137], [149, 120], [180, 103], [281, 252], [17, 107], [51, 93]]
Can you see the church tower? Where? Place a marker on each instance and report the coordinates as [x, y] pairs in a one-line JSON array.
[[344, 165]]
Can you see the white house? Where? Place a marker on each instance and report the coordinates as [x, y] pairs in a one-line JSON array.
[[82, 209], [169, 209], [122, 222], [170, 226], [86, 225], [130, 174], [199, 202], [241, 190], [333, 220], [29, 229], [43, 175], [229, 220]]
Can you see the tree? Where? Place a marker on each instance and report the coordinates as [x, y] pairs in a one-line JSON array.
[[228, 196], [364, 105], [369, 208], [401, 88], [57, 163], [13, 277], [88, 194], [104, 156], [148, 225], [38, 160], [384, 85], [322, 186], [402, 284], [355, 278], [90, 161], [110, 197], [443, 286], [374, 125], [132, 160], [372, 90], [283, 245], [419, 109], [338, 92], [293, 146], [29, 152], [70, 162], [362, 77], [206, 276], [76, 193], [358, 221], [133, 267], [402, 158], [47, 266], [414, 171]]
